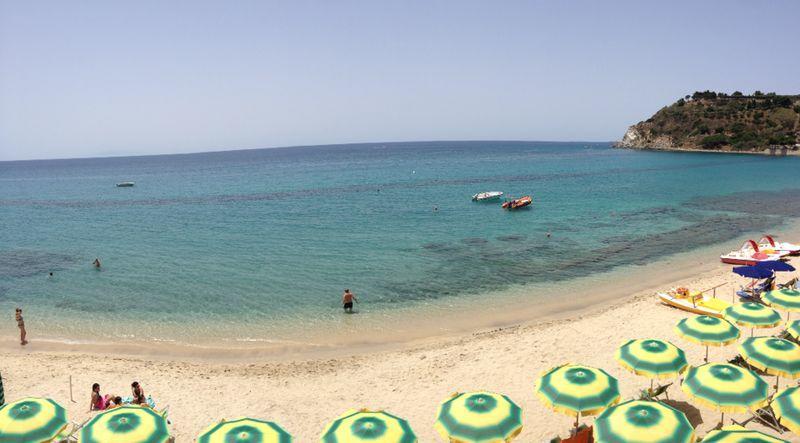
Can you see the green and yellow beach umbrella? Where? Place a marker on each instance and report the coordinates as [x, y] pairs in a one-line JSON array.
[[775, 356], [244, 430], [479, 417], [654, 359], [725, 388], [738, 434], [707, 330], [368, 427], [787, 408], [129, 424], [577, 390], [31, 420], [783, 299], [638, 421], [752, 315], [793, 329]]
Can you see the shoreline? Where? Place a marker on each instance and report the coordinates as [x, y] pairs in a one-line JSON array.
[[789, 153], [527, 306], [409, 382]]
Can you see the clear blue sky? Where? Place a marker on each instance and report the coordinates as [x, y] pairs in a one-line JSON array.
[[86, 78]]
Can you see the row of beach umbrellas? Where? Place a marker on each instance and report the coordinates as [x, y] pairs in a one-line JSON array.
[[570, 389]]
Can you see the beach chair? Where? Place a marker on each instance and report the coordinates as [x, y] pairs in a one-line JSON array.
[[791, 284], [765, 416], [653, 394], [70, 433]]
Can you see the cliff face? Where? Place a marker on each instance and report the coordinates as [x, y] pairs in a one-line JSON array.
[[712, 121]]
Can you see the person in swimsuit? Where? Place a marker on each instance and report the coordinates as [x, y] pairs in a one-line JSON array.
[[96, 263], [347, 301], [23, 334], [98, 402], [138, 394]]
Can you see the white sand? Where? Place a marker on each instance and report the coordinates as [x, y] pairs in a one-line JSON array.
[[303, 395]]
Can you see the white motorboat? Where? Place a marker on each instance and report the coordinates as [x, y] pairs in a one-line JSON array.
[[768, 244], [125, 184], [484, 196]]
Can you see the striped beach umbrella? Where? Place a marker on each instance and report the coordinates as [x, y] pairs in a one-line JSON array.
[[725, 388], [752, 315], [708, 331], [31, 420], [131, 424], [786, 405], [738, 434], [638, 421], [369, 427], [244, 430], [775, 356], [652, 358], [783, 299], [793, 329], [479, 417], [577, 390]]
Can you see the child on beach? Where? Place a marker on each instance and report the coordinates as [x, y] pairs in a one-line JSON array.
[[23, 334], [347, 301], [138, 394]]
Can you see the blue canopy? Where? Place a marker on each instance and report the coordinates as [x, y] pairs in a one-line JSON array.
[[753, 272], [775, 265]]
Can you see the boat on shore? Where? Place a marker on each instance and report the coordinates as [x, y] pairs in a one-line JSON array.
[[518, 203], [767, 244], [125, 184], [749, 254], [693, 301], [487, 196]]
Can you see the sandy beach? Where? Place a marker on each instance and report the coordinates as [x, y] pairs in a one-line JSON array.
[[304, 394]]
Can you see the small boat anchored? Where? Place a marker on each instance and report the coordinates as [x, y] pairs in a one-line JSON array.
[[125, 184], [487, 196], [696, 302], [518, 203]]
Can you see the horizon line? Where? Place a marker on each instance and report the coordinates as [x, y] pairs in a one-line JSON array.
[[217, 151]]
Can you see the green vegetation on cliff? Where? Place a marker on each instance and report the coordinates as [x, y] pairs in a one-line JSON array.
[[718, 121]]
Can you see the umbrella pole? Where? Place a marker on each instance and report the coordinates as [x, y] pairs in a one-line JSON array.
[[577, 422], [651, 386], [777, 380], [751, 331], [706, 354], [722, 421]]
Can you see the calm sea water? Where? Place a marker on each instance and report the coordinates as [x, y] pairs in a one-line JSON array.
[[243, 244]]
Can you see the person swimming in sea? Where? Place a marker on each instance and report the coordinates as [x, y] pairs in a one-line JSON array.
[[347, 301], [96, 263]]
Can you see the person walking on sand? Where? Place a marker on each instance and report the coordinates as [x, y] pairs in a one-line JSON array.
[[96, 263], [23, 334], [347, 301]]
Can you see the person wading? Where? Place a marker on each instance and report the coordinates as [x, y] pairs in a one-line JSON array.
[[347, 301]]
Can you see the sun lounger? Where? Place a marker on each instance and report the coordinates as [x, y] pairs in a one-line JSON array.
[[791, 284], [765, 416], [70, 433], [653, 394]]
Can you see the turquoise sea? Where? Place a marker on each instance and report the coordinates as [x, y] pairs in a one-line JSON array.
[[246, 245]]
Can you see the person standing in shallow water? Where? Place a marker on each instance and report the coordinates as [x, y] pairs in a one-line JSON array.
[[23, 334], [347, 301]]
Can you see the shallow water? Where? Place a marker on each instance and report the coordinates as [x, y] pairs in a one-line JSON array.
[[247, 244]]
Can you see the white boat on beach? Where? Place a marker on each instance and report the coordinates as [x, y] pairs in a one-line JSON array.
[[125, 184], [749, 255], [768, 244], [485, 196]]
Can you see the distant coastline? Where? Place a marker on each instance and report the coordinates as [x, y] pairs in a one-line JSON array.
[[718, 122]]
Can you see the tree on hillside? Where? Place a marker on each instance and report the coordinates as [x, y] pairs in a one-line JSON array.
[[737, 94]]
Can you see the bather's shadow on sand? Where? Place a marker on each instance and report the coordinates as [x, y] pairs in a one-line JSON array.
[[692, 413]]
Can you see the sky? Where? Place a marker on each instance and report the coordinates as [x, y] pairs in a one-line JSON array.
[[100, 78]]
